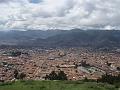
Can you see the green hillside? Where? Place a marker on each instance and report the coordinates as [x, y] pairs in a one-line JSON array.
[[55, 85]]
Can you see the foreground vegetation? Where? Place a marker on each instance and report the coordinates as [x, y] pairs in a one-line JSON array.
[[58, 81], [56, 85]]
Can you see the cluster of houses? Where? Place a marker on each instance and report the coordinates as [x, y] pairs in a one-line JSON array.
[[77, 63]]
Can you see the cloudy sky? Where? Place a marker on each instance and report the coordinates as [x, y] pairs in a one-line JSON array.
[[59, 14]]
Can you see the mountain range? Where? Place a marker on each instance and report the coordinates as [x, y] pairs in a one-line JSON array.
[[61, 38]]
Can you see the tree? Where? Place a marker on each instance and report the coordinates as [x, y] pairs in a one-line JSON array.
[[22, 76], [16, 74], [84, 64], [62, 75], [54, 76], [85, 79], [109, 79]]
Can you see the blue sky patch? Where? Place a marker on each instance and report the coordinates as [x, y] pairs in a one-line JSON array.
[[35, 1]]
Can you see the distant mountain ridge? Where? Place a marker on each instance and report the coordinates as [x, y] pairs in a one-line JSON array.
[[62, 38]]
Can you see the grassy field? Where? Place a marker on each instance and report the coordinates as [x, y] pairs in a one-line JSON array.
[[55, 85]]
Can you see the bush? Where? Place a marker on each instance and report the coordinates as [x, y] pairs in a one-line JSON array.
[[22, 76], [54, 76], [109, 79]]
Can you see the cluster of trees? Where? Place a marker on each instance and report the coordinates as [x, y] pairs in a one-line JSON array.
[[15, 53], [84, 64], [109, 79], [18, 75], [56, 76]]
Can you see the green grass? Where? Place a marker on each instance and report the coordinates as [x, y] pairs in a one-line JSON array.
[[55, 85]]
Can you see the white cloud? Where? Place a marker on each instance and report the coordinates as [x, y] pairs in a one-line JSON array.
[[59, 14]]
